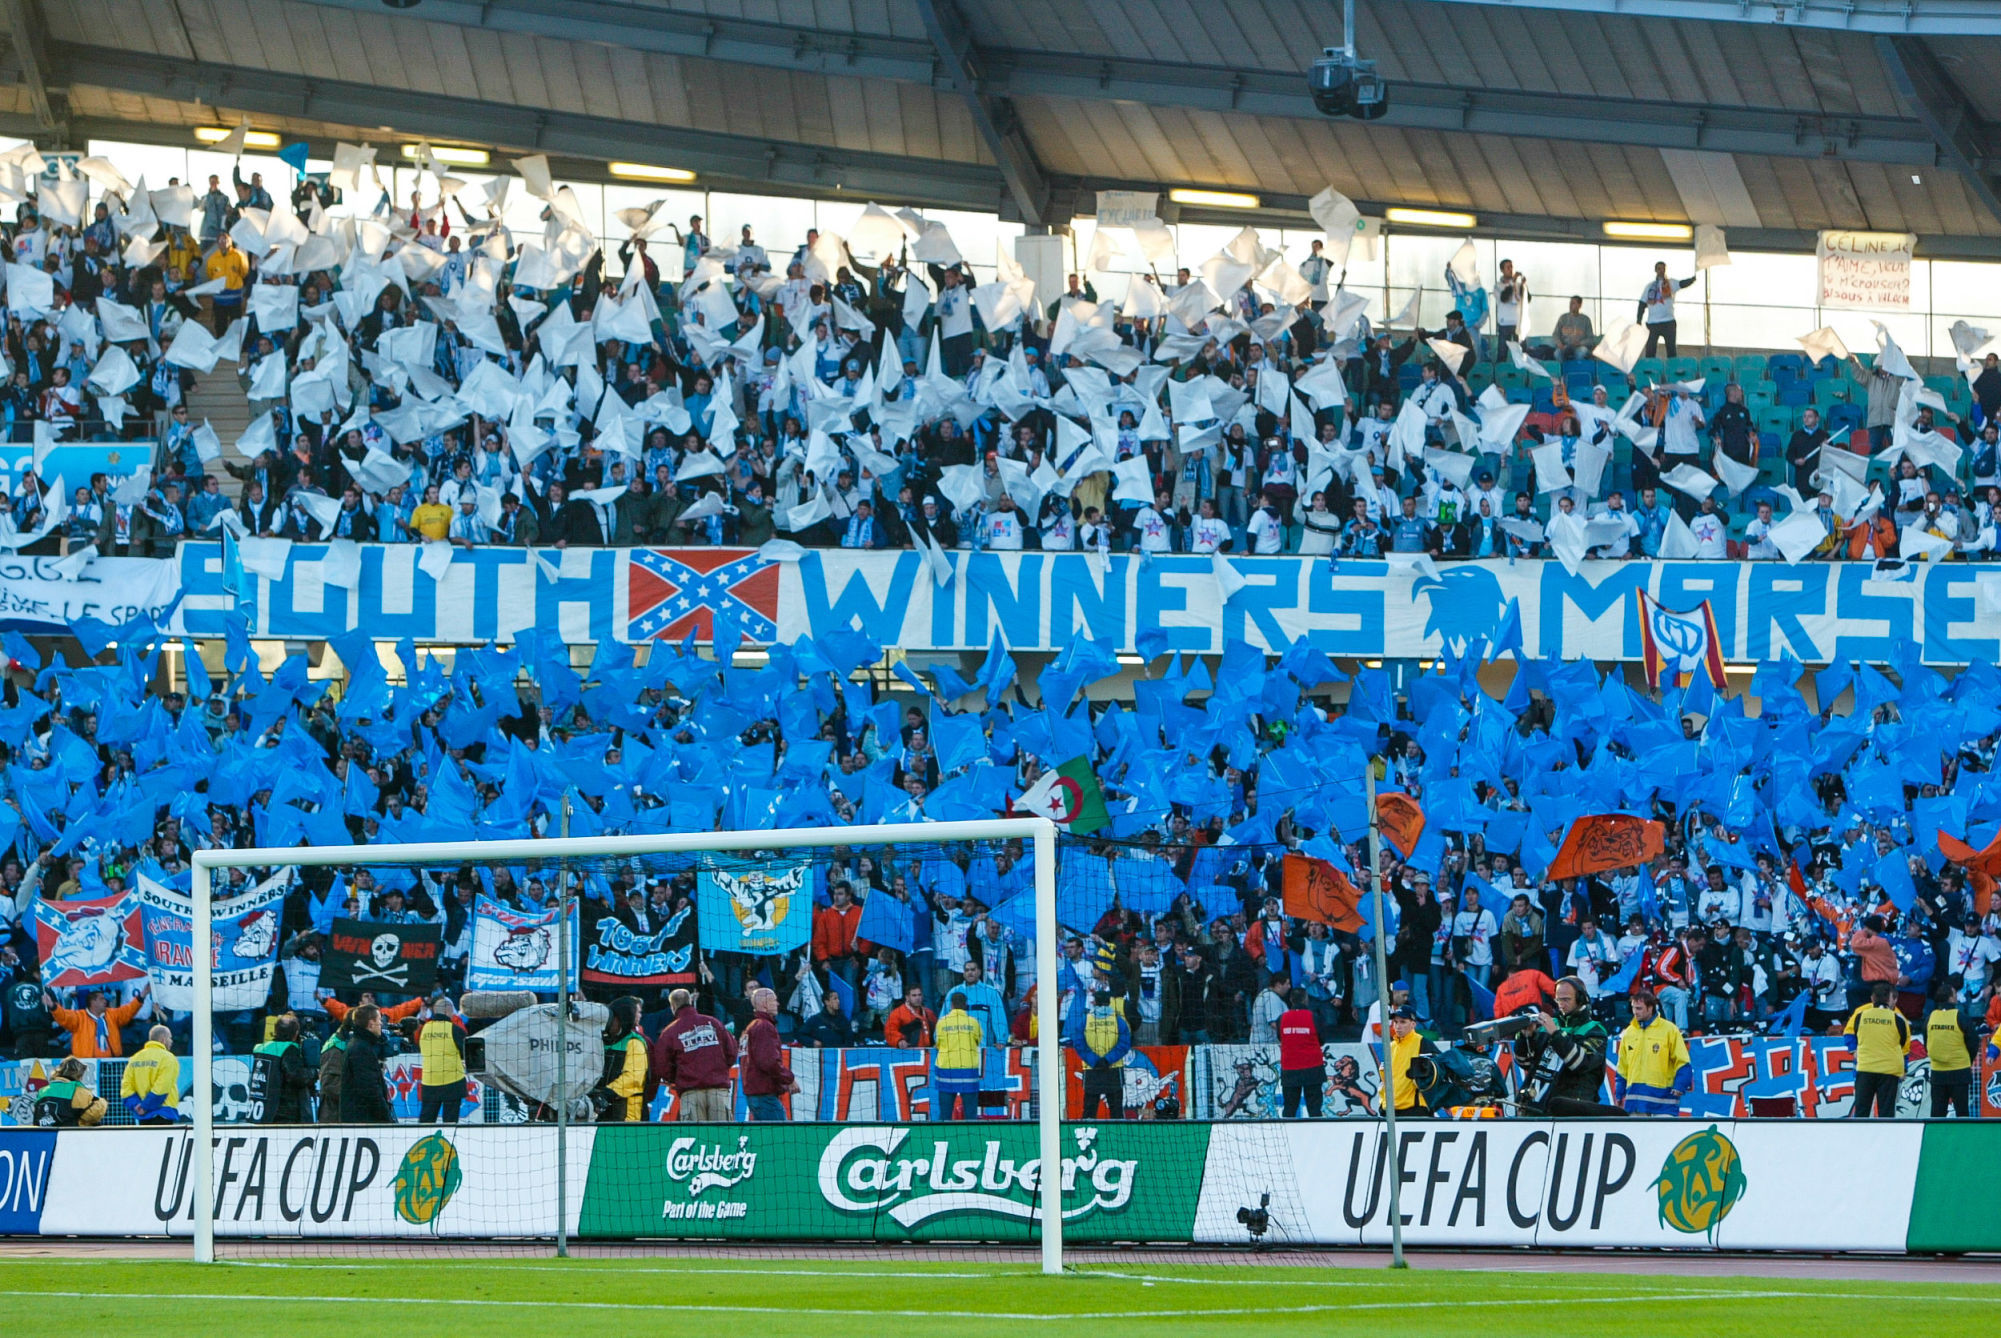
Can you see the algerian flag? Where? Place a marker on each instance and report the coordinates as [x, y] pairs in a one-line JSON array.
[[1068, 796]]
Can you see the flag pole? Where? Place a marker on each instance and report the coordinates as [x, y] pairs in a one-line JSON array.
[[1389, 1092]]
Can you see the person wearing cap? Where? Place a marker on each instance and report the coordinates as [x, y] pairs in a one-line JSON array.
[[1406, 1044], [1102, 1039], [955, 1069]]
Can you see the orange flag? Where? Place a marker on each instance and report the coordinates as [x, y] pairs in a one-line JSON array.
[[1606, 841], [1316, 890], [1981, 867], [1401, 819]]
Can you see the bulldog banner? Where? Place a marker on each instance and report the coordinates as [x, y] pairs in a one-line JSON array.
[[100, 941], [243, 944], [384, 958], [513, 951]]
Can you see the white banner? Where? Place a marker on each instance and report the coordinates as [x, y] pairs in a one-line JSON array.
[[512, 951], [482, 1180], [35, 597], [243, 944], [1866, 271], [1683, 1184], [1127, 208]]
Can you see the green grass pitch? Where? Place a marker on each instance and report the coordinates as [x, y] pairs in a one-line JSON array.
[[869, 1298]]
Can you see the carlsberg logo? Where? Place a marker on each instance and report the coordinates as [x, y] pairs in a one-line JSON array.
[[859, 1173], [705, 1168]]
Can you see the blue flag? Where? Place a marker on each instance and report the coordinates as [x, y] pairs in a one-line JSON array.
[[887, 920], [1791, 1022], [1628, 971]]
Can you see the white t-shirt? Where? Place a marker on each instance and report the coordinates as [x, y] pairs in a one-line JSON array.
[[1595, 960], [1711, 536], [1480, 927], [1153, 532], [1210, 534], [1267, 535], [1001, 529], [955, 313]]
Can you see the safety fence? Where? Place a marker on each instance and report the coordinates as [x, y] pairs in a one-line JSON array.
[[1203, 1082]]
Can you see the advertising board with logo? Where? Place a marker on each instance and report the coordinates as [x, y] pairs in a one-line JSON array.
[[334, 1181], [1657, 1183], [968, 1181], [1803, 1185]]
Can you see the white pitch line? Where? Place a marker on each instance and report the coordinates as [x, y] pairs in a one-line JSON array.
[[837, 1312]]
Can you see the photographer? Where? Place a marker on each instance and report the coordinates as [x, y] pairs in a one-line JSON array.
[[1565, 1054]]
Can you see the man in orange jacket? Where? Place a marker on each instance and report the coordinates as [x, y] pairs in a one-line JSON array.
[[93, 1029], [834, 927]]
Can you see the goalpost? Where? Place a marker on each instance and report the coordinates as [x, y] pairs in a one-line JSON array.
[[1039, 832]]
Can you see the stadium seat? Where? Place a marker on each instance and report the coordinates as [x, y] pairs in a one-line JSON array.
[[1777, 419], [1794, 394], [1845, 417], [1751, 367], [1683, 369], [1790, 365], [1716, 371], [1650, 371], [1830, 392]]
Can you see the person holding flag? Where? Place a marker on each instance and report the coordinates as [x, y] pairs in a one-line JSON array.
[[1068, 796]]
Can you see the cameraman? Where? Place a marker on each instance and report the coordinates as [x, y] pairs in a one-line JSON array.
[[1566, 1052]]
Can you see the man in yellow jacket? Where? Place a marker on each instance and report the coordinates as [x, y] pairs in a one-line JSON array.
[[1882, 1039], [1406, 1044], [1653, 1068], [1950, 1044], [442, 1043], [152, 1087], [955, 1071]]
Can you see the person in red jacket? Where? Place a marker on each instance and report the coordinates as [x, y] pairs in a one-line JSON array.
[[1302, 1071], [834, 944], [909, 1024], [693, 1055], [766, 1076]]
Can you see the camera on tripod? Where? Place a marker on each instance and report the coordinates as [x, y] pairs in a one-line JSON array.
[[1257, 1220]]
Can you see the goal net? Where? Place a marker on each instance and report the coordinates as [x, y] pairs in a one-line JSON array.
[[482, 1046]]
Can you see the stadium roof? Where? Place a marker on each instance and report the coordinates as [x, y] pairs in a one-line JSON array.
[[1544, 117]]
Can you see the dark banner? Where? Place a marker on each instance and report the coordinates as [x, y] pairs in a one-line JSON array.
[[617, 954], [385, 958]]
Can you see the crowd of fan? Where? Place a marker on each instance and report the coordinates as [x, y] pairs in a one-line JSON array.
[[419, 374], [1802, 865]]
